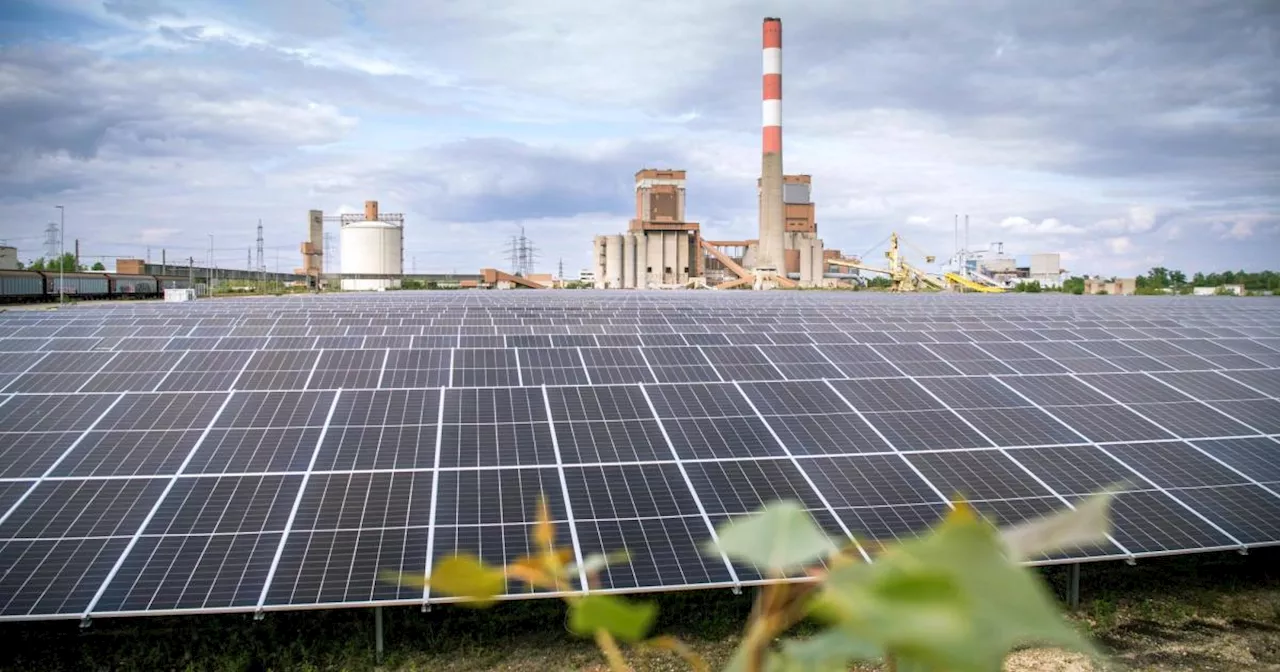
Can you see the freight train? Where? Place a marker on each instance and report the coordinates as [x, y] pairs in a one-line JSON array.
[[41, 286]]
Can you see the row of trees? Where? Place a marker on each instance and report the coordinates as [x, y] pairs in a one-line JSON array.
[[66, 263], [1160, 278]]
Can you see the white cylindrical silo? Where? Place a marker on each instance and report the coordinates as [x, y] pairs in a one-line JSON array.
[[806, 263], [642, 260], [371, 248], [819, 263], [629, 261], [613, 262], [597, 261]]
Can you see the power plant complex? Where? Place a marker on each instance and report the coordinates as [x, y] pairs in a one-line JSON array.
[[661, 249]]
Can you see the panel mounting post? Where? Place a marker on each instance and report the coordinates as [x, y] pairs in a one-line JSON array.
[[377, 634], [1073, 586]]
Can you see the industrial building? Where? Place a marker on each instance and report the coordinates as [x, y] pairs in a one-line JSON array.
[[662, 249], [1114, 286], [371, 248], [1046, 269], [8, 258]]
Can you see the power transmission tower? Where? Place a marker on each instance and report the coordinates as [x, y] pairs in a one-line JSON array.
[[262, 265], [560, 275], [522, 254], [51, 241]]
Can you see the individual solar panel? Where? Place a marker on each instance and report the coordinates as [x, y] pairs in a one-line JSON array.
[[417, 368], [364, 500], [741, 486], [254, 450], [612, 492], [680, 365], [875, 526], [614, 366], [1152, 522], [925, 430], [1192, 419], [343, 566], [1248, 513], [546, 366], [1257, 458], [225, 505], [54, 576], [611, 441], [497, 496], [982, 474], [1208, 386], [742, 363], [127, 453], [254, 410], [82, 508], [1108, 423], [1018, 426], [29, 455], [600, 403], [1262, 415], [381, 408], [973, 393], [836, 433], [1266, 382], [859, 481], [53, 413]]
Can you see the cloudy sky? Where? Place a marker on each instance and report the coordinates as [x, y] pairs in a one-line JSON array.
[[1124, 134]]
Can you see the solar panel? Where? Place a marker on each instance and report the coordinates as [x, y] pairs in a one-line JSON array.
[[251, 455]]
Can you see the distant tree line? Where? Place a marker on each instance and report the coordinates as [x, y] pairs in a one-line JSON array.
[[66, 263], [1161, 280]]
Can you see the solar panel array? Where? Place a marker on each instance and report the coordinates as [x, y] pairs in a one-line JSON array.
[[266, 454]]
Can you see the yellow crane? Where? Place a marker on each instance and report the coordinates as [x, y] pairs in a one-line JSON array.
[[903, 276]]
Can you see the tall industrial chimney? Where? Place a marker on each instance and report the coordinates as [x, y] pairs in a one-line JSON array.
[[770, 252]]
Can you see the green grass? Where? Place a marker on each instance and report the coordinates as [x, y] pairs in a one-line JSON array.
[[530, 635]]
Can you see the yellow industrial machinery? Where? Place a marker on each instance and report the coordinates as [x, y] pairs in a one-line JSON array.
[[903, 276], [957, 279]]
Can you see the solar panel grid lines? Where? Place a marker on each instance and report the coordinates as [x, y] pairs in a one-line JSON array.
[[297, 502], [848, 533], [133, 540], [941, 496], [711, 528], [564, 488]]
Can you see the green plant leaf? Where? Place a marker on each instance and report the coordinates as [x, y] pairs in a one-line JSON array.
[[628, 621], [466, 576], [1089, 523], [951, 600], [780, 537], [828, 650]]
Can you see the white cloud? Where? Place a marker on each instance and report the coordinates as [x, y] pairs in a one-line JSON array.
[[1119, 245], [156, 236], [1048, 226]]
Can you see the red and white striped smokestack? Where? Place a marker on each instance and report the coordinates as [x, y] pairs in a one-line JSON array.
[[772, 86], [770, 250]]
